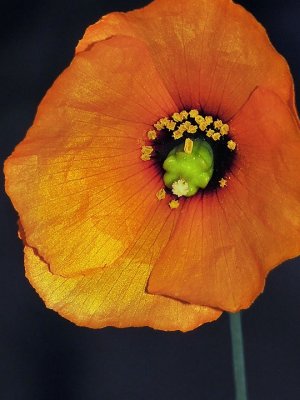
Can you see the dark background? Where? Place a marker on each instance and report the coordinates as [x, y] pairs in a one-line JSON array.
[[43, 356]]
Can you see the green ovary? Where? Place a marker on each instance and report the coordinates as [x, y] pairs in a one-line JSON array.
[[195, 169]]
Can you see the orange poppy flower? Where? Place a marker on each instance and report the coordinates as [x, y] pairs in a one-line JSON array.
[[117, 229]]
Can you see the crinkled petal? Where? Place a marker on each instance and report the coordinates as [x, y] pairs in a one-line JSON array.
[[211, 54], [112, 297], [225, 243], [77, 180]]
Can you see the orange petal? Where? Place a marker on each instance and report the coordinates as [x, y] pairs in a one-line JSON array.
[[209, 53], [112, 297], [225, 243], [77, 179]]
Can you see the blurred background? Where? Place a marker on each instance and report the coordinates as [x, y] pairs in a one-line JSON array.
[[43, 356]]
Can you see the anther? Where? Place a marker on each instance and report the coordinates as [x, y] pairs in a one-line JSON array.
[[184, 114], [174, 204], [231, 145], [223, 182], [208, 119], [177, 117], [218, 124], [224, 129], [194, 113], [210, 132], [188, 146], [216, 136], [152, 134], [161, 194], [146, 153], [171, 125], [177, 134]]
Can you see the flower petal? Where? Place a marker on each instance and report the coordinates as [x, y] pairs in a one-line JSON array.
[[77, 179], [227, 242], [112, 297], [211, 54]]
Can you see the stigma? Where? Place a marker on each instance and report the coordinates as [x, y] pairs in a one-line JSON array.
[[187, 172]]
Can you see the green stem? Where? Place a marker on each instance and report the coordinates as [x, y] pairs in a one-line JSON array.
[[238, 357]]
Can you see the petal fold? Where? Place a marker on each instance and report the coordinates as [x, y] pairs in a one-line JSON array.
[[112, 297]]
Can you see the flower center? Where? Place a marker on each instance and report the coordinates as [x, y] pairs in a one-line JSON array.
[[189, 167], [193, 151]]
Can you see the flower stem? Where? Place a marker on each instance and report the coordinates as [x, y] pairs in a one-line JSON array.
[[238, 357]]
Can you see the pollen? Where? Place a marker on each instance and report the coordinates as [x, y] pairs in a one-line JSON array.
[[216, 136], [203, 126], [231, 145], [222, 182], [186, 124], [145, 157], [224, 129], [174, 204], [208, 119], [158, 126], [199, 119], [210, 132], [177, 117], [180, 188], [164, 121], [161, 194], [177, 134], [188, 146], [146, 153], [184, 114], [182, 127], [152, 134], [194, 113], [147, 149], [218, 124], [171, 125], [192, 129]]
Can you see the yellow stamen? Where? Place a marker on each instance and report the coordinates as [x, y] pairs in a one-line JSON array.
[[171, 125], [177, 134], [216, 136], [146, 153], [208, 119], [199, 119], [161, 194], [186, 124], [182, 128], [164, 121], [223, 182], [188, 146], [158, 126], [203, 126], [210, 132], [174, 204], [180, 188], [184, 114], [231, 145], [224, 129], [145, 157], [177, 117], [192, 129], [152, 135], [218, 124], [147, 149], [194, 113]]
